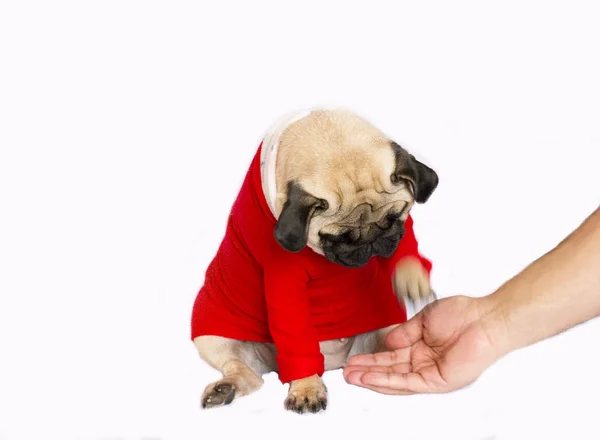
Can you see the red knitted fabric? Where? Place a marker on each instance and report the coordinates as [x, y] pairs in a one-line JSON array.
[[254, 290]]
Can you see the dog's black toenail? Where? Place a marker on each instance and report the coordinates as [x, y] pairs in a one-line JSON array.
[[221, 394], [290, 403], [230, 397]]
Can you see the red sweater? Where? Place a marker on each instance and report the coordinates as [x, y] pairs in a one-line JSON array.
[[254, 290]]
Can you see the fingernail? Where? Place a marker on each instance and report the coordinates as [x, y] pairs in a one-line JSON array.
[[352, 378]]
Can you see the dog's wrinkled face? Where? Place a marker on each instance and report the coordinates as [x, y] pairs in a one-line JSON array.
[[345, 189], [355, 246]]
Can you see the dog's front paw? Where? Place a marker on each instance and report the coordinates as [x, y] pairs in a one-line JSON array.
[[218, 394], [307, 395], [412, 280]]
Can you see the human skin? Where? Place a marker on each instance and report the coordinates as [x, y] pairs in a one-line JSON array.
[[452, 341]]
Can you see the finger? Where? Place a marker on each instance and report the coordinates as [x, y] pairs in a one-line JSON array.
[[405, 367], [407, 333], [384, 358], [405, 382], [382, 390], [357, 378]]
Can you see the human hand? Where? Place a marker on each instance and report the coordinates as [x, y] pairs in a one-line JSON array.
[[446, 346]]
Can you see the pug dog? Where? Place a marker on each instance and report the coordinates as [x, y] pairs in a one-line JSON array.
[[317, 257]]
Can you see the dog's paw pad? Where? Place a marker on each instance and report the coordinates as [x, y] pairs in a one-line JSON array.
[[311, 401], [218, 394]]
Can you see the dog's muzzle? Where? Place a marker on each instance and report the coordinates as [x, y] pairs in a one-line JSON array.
[[353, 249]]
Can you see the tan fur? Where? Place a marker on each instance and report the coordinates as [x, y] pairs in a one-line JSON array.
[[235, 361], [243, 364], [340, 157], [411, 280], [307, 395]]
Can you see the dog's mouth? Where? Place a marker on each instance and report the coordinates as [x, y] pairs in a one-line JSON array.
[[354, 255], [355, 259]]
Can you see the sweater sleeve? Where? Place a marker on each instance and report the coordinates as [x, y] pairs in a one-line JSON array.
[[290, 323], [408, 247]]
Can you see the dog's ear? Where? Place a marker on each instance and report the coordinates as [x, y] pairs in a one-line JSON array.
[[291, 231], [423, 179]]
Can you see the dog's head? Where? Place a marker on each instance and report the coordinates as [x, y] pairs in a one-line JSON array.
[[344, 188]]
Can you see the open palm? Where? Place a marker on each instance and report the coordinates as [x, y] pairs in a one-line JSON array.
[[444, 347]]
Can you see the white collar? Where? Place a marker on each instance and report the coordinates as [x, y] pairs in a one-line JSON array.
[[268, 156]]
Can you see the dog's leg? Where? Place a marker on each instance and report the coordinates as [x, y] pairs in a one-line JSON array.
[[308, 394], [380, 336], [370, 342], [242, 364]]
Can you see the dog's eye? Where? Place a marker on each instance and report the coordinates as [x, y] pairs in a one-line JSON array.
[[387, 221], [393, 216], [322, 206], [353, 234], [331, 238]]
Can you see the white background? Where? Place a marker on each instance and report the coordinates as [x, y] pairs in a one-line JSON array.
[[126, 129]]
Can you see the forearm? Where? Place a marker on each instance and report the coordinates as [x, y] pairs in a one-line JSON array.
[[558, 291], [290, 323], [298, 354]]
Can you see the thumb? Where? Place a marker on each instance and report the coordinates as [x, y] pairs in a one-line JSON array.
[[407, 333]]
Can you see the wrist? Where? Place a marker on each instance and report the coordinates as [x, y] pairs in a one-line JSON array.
[[494, 319], [408, 260]]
